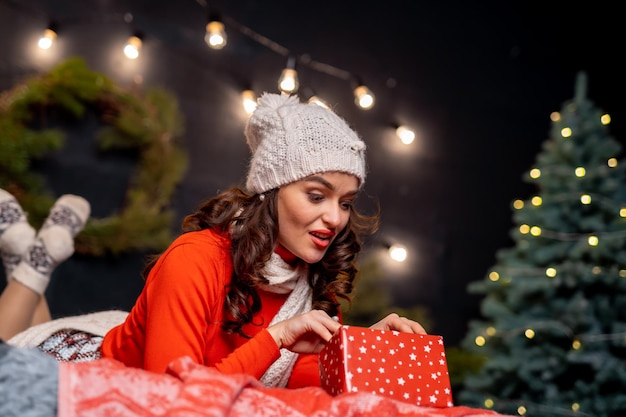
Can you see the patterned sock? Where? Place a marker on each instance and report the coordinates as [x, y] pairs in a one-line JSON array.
[[54, 242], [16, 235]]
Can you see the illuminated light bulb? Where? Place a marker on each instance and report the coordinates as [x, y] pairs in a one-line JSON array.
[[529, 333], [536, 201], [585, 199], [575, 406], [576, 344], [518, 204], [535, 173], [622, 212], [596, 270], [524, 229], [521, 410], [550, 272], [132, 47], [398, 253], [480, 341], [490, 331], [47, 39], [248, 100], [605, 119], [363, 97], [612, 162], [288, 82], [319, 102], [622, 273], [215, 35], [406, 135], [488, 402], [593, 240], [494, 276], [535, 231], [580, 172], [566, 132], [555, 116]]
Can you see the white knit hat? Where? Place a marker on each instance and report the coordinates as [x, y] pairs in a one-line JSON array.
[[291, 140]]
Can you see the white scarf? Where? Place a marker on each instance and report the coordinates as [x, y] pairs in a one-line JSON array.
[[284, 278]]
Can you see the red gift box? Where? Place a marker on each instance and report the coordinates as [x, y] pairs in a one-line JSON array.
[[403, 366]]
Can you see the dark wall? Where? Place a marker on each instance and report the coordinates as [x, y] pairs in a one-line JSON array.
[[478, 81]]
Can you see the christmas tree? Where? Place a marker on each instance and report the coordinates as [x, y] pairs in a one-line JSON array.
[[554, 329]]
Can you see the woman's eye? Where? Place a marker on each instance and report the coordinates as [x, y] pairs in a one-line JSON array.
[[316, 198], [346, 205]]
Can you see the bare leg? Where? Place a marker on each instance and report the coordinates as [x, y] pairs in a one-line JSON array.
[[17, 309], [22, 303], [17, 302], [42, 312]]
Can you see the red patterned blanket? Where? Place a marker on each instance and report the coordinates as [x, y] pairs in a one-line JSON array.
[[108, 388]]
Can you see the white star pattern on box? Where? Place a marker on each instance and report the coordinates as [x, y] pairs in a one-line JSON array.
[[387, 363]]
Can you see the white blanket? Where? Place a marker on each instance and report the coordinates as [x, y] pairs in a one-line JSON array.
[[95, 323]]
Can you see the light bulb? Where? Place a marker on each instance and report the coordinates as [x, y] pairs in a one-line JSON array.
[[406, 135], [215, 35], [397, 253], [363, 97], [132, 47], [319, 102], [47, 39], [288, 81], [249, 101]]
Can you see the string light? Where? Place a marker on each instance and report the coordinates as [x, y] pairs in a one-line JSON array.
[[398, 253], [48, 37], [406, 134], [318, 101], [215, 36], [288, 82], [133, 46], [363, 97], [566, 132], [249, 101], [314, 98], [524, 406]]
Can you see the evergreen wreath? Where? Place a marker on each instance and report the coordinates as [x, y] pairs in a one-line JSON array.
[[147, 124]]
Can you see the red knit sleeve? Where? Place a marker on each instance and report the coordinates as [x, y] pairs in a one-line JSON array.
[[253, 357], [181, 295], [185, 295]]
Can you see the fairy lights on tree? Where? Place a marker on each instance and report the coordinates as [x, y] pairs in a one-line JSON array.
[[554, 328]]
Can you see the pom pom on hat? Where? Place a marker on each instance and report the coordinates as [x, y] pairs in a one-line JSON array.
[[290, 140]]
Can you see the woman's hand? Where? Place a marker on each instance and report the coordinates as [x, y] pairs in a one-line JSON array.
[[305, 333], [401, 324]]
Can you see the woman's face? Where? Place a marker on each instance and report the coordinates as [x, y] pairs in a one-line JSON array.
[[312, 211]]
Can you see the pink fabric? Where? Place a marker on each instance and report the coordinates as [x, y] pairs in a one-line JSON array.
[[107, 388]]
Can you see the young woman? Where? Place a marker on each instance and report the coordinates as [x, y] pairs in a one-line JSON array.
[[253, 284]]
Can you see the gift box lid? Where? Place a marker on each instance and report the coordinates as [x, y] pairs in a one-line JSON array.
[[404, 366]]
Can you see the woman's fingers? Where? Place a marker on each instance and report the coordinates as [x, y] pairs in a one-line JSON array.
[[308, 332], [305, 333], [400, 324]]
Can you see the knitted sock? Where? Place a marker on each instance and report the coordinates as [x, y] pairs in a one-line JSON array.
[[29, 381], [16, 235], [54, 242]]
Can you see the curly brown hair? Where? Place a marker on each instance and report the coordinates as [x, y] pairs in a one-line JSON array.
[[253, 226]]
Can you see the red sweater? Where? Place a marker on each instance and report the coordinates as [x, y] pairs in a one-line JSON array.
[[180, 310]]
